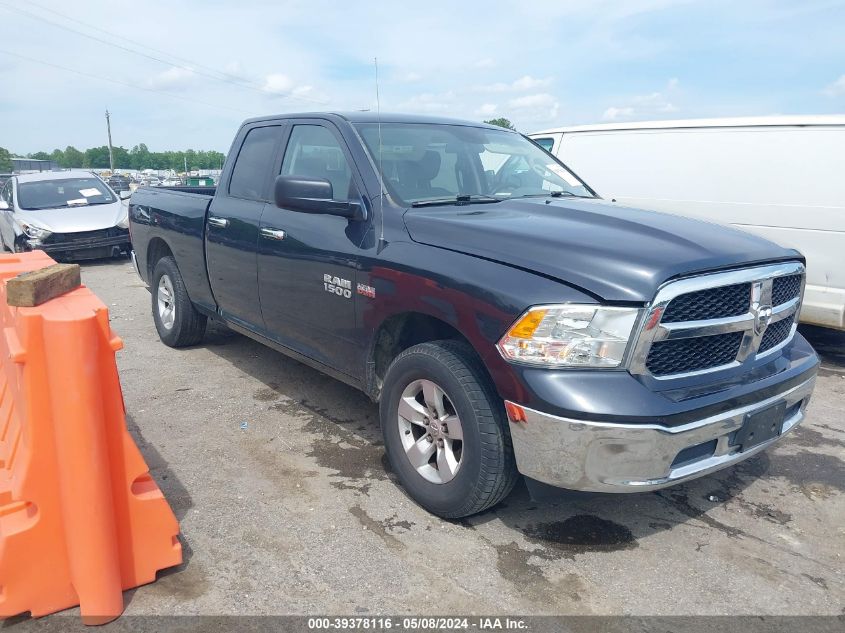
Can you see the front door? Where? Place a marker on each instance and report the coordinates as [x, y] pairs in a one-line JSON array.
[[307, 262], [231, 229]]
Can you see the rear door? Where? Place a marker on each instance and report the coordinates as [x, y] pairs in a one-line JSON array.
[[232, 224], [307, 262]]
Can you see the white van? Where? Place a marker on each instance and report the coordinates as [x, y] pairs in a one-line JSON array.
[[780, 177]]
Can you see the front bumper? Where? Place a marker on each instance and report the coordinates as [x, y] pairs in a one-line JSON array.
[[597, 456], [81, 245]]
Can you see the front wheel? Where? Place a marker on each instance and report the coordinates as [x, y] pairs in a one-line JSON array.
[[445, 431], [176, 319]]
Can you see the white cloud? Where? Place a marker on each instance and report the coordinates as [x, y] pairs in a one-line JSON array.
[[174, 78], [410, 77], [486, 109], [539, 107], [617, 114], [645, 106], [484, 63], [527, 82], [835, 88], [430, 102], [234, 69], [278, 84]]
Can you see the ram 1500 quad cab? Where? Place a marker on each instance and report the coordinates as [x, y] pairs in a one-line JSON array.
[[505, 318]]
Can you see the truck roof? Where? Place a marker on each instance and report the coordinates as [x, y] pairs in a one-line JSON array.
[[374, 117], [755, 121]]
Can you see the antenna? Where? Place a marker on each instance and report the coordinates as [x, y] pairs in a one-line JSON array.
[[380, 170]]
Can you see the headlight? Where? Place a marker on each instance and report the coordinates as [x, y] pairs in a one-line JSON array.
[[35, 232], [570, 335]]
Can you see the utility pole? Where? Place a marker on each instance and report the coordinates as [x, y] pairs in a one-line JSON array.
[[111, 153]]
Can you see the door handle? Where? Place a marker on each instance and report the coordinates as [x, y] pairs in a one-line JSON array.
[[220, 223], [273, 234]]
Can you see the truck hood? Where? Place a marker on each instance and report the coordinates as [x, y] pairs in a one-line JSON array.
[[616, 253], [75, 219]]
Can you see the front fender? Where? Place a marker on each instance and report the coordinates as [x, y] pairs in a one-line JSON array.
[[477, 297]]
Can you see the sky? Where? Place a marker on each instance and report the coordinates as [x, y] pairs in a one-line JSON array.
[[178, 75]]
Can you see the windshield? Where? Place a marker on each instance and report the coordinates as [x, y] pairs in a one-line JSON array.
[[67, 192], [435, 162]]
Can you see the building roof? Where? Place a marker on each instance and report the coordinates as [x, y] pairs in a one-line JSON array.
[[757, 121]]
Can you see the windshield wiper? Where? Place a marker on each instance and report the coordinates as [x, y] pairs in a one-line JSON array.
[[552, 194], [457, 200]]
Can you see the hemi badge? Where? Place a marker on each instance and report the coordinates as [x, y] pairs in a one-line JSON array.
[[367, 291]]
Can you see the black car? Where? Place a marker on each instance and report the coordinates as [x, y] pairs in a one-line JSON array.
[[119, 183], [506, 318]]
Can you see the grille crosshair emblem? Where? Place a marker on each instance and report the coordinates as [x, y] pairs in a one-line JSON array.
[[762, 317]]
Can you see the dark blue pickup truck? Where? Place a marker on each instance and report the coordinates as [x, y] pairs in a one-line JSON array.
[[506, 319]]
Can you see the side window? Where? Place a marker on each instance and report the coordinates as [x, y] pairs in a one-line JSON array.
[[6, 193], [314, 152], [249, 175], [546, 143]]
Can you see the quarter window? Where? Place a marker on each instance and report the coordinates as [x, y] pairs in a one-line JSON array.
[[249, 175]]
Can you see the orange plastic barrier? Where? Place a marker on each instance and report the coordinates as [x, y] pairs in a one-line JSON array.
[[81, 519]]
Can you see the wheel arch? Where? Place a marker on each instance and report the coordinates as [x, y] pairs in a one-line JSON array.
[[403, 330], [156, 250]]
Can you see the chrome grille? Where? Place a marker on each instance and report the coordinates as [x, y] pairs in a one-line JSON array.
[[692, 354], [776, 334], [710, 303], [717, 321], [786, 288]]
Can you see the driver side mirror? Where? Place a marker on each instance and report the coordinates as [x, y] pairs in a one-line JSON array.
[[124, 195], [4, 206], [314, 195]]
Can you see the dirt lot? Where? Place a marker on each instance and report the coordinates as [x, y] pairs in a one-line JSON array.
[[278, 477]]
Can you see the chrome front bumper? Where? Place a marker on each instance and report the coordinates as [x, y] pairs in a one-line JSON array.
[[605, 457]]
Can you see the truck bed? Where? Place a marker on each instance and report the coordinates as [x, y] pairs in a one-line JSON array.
[[175, 217]]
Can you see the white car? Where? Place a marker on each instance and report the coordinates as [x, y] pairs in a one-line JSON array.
[[779, 177], [69, 214]]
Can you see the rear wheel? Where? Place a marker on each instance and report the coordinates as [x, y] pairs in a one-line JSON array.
[[445, 431], [176, 319]]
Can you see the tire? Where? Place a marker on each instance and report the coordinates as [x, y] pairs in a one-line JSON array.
[[177, 320], [481, 470]]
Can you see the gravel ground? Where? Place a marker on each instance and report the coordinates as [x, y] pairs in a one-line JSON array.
[[278, 477]]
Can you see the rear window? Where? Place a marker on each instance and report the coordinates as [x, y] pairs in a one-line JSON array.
[[249, 174], [61, 193]]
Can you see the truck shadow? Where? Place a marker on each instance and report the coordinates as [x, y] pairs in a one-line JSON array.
[[829, 345], [566, 525]]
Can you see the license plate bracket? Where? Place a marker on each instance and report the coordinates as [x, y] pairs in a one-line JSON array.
[[761, 426]]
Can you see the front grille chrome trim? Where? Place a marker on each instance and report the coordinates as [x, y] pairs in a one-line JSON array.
[[761, 279]]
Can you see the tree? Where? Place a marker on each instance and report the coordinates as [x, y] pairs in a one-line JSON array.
[[73, 157], [502, 122], [39, 156], [122, 159], [139, 157], [5, 160], [96, 158]]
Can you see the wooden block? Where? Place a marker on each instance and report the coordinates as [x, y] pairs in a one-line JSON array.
[[37, 286]]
